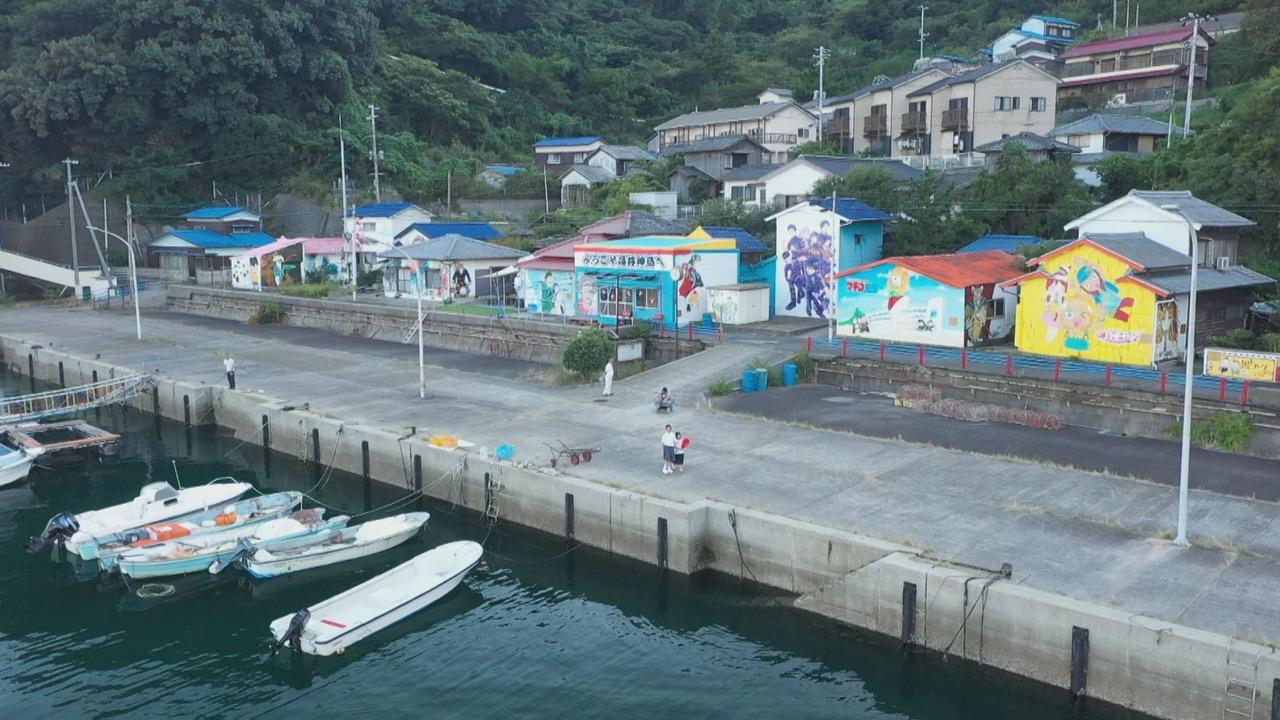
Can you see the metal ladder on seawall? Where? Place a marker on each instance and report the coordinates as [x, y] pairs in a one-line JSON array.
[[1241, 694], [408, 334], [494, 486]]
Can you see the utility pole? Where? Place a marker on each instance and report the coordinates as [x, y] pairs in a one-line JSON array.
[[448, 192], [71, 214], [546, 193], [821, 55], [373, 124], [349, 236], [923, 34], [1115, 6], [1188, 379], [1191, 70], [131, 246]]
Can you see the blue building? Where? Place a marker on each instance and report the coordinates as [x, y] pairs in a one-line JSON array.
[[809, 255], [1004, 243]]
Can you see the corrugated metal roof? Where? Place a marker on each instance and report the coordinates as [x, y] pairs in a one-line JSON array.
[[591, 173], [211, 239], [1005, 243], [1204, 213], [1125, 75], [956, 269], [1207, 279], [750, 172], [476, 230], [1104, 123], [745, 240], [1056, 20], [717, 143], [841, 165], [454, 247], [722, 115], [558, 141], [505, 169], [1030, 141], [214, 212], [634, 223], [375, 210], [1124, 43], [627, 152], [1140, 249]]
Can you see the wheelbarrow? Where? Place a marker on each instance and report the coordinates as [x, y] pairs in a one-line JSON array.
[[575, 454]]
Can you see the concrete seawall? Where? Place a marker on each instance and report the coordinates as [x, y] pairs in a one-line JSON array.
[[1157, 667]]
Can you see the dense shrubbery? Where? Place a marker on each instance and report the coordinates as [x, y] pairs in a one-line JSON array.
[[587, 353]]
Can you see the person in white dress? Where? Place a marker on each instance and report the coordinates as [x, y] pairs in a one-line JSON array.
[[608, 378]]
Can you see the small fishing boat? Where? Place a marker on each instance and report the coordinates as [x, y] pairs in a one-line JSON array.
[[331, 626], [156, 503], [281, 557], [15, 463], [237, 515], [182, 556]]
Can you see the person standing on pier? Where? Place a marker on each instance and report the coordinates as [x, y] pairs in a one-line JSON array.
[[677, 457], [668, 450], [229, 364]]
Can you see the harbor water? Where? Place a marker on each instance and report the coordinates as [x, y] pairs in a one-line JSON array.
[[539, 630]]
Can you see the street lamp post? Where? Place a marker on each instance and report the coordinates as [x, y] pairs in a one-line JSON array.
[[422, 366], [1188, 380], [133, 274]]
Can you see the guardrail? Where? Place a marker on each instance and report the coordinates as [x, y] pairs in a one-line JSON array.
[[1064, 370]]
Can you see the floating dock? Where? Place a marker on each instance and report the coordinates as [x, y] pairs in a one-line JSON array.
[[60, 438]]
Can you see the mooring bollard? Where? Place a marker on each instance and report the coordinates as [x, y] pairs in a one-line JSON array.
[[662, 543], [568, 516], [186, 410], [1079, 662], [364, 459], [315, 446], [909, 613]]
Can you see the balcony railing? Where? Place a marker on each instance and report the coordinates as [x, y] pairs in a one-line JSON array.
[[779, 138], [874, 126], [1135, 63], [955, 119], [915, 123]]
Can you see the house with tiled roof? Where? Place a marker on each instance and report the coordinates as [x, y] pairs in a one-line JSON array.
[[777, 125], [709, 160], [1163, 215], [1038, 40], [793, 182], [953, 300], [620, 159], [1038, 147], [1135, 68]]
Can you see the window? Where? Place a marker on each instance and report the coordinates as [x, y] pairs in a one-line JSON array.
[[738, 192], [802, 132], [1078, 140], [857, 238], [1038, 104], [368, 227], [579, 158], [241, 228], [1107, 65], [995, 308], [1004, 103], [553, 158], [646, 298]]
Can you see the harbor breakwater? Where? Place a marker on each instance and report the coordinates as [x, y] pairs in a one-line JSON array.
[[978, 614]]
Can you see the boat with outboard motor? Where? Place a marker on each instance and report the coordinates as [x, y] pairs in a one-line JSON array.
[[281, 557], [191, 555], [333, 625], [156, 502], [15, 463], [238, 515]]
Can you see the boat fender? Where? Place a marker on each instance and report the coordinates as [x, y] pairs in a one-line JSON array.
[[59, 529], [293, 636]]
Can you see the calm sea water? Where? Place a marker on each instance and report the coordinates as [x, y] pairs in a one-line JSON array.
[[534, 633]]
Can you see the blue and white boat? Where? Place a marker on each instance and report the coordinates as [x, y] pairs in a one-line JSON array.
[[282, 557], [183, 556], [15, 463], [239, 514]]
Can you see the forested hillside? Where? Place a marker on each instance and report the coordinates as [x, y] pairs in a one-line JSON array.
[[169, 96]]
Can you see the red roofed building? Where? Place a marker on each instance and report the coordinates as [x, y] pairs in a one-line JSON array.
[[1137, 68], [954, 300]]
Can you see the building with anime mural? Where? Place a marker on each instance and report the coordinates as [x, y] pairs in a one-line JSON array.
[[1122, 297], [816, 241], [658, 279], [951, 300]]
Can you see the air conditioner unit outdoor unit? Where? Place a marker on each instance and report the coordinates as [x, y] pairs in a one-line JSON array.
[[1118, 99], [1222, 263]]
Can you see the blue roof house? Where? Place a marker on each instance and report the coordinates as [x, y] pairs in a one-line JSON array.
[[376, 225], [557, 154], [1007, 243], [420, 232], [209, 245]]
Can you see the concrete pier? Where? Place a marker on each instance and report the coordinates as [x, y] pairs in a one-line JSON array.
[[843, 521]]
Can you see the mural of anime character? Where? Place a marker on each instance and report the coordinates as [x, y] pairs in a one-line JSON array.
[[1104, 293], [794, 256], [587, 300], [1055, 300], [1078, 317], [1167, 330], [815, 289], [977, 325], [461, 280], [547, 293], [690, 280], [897, 286]]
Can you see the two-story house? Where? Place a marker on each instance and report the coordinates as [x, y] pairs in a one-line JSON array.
[[213, 235], [619, 159], [375, 226], [954, 114], [1039, 40], [709, 159], [556, 154], [1137, 68], [792, 182], [867, 119], [776, 126], [1100, 135]]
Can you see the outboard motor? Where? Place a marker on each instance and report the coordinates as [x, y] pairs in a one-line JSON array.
[[293, 636], [245, 550], [60, 528]]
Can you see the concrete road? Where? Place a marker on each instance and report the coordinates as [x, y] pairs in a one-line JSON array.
[[1075, 447], [1090, 536]]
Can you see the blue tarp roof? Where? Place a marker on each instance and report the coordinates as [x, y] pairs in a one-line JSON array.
[[211, 239], [850, 208], [746, 241], [505, 169], [473, 230], [1007, 243], [213, 212], [386, 209], [578, 140], [1058, 20]]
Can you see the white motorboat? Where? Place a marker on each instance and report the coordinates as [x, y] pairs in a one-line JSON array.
[[331, 626], [156, 502], [191, 555], [281, 557], [15, 463]]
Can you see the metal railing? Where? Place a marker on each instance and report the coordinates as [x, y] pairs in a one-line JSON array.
[[939, 162], [74, 399], [768, 137], [1065, 370]]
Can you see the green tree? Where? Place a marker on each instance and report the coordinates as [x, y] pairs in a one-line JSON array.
[[587, 353], [1025, 196], [1123, 172], [813, 147], [928, 219], [872, 184]]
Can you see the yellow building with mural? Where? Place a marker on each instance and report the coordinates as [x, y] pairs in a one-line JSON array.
[[1087, 300]]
